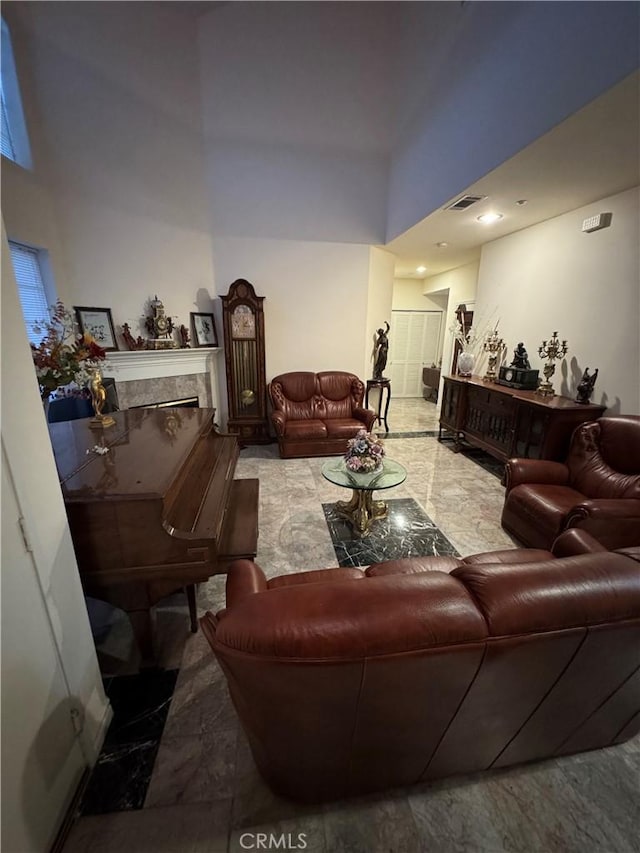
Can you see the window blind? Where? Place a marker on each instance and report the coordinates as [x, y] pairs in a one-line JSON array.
[[8, 148], [31, 290]]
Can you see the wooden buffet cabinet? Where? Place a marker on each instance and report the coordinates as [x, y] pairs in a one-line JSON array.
[[507, 422]]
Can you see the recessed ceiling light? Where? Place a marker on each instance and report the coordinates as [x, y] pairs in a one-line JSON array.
[[521, 201], [488, 218], [442, 245], [421, 269]]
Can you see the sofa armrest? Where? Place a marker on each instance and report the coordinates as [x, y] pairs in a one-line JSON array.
[[278, 419], [605, 509], [244, 578], [539, 471], [367, 416], [575, 541]]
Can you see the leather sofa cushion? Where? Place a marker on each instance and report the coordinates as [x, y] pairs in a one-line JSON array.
[[347, 621], [309, 428], [316, 576], [514, 555], [344, 427], [413, 566], [573, 591]]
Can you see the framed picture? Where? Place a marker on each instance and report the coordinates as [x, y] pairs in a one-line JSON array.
[[204, 330], [98, 323]]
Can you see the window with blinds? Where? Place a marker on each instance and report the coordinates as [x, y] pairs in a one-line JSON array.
[[15, 141], [31, 289], [8, 148]]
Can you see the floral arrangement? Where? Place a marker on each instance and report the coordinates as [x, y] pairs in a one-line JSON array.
[[63, 356], [365, 453]]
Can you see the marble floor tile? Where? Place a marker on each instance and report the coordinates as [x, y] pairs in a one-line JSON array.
[[199, 828], [193, 769], [372, 824]]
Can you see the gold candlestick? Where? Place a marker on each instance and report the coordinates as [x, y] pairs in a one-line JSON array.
[[551, 350], [494, 346]]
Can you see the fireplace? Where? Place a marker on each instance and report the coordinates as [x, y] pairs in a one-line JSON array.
[[165, 377]]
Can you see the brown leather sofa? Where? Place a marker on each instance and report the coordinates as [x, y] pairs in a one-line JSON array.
[[315, 414], [347, 682], [597, 488]]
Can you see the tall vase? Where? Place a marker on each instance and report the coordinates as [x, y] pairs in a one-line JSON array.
[[466, 361]]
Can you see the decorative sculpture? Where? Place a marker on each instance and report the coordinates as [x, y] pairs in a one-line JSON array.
[[494, 346], [585, 386], [98, 400], [381, 351], [552, 350], [521, 357], [185, 337], [131, 342]]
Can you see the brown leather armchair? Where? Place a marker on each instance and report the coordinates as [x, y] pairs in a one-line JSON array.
[[347, 681], [315, 414], [597, 488]]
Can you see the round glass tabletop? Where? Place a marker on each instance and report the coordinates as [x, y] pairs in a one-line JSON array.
[[391, 474]]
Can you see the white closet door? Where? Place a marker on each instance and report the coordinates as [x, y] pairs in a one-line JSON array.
[[414, 343]]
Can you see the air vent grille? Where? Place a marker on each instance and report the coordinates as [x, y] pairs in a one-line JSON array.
[[464, 202]]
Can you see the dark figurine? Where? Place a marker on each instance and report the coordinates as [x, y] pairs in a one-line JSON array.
[[585, 386], [520, 357], [130, 341], [185, 337], [380, 352]]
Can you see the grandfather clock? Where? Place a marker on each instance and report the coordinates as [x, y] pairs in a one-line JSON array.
[[243, 324]]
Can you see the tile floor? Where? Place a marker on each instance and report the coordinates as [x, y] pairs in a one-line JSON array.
[[205, 793]]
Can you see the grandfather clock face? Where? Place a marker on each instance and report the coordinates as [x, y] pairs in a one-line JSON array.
[[243, 322]]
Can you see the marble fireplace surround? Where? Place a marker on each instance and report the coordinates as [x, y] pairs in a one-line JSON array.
[[146, 377]]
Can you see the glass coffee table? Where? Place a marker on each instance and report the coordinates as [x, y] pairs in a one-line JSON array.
[[361, 510]]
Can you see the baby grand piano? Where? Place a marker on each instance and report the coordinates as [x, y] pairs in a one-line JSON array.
[[159, 510]]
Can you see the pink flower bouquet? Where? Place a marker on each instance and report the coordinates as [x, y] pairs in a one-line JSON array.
[[365, 453]]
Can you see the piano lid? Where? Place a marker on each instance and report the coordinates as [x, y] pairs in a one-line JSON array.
[[146, 449]]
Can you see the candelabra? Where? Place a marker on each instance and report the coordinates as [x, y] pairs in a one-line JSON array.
[[551, 350], [494, 346]]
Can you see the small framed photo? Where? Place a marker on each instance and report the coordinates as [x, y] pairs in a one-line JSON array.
[[98, 323], [204, 330]]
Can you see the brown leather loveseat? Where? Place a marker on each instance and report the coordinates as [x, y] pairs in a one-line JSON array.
[[347, 681], [596, 489], [315, 414]]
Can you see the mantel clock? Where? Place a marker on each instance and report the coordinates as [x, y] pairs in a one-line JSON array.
[[243, 324]]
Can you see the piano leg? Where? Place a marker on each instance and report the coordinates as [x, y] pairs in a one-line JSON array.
[[193, 610]]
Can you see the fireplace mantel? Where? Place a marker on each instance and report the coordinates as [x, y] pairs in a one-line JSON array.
[[152, 364]]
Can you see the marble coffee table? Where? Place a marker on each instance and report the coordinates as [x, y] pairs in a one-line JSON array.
[[362, 510]]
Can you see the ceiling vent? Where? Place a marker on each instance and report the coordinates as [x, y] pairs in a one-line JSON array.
[[464, 202]]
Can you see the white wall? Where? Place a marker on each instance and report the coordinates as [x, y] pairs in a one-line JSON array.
[[409, 295], [296, 110], [315, 306], [553, 276], [380, 302], [49, 663], [460, 285], [480, 81], [111, 95]]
